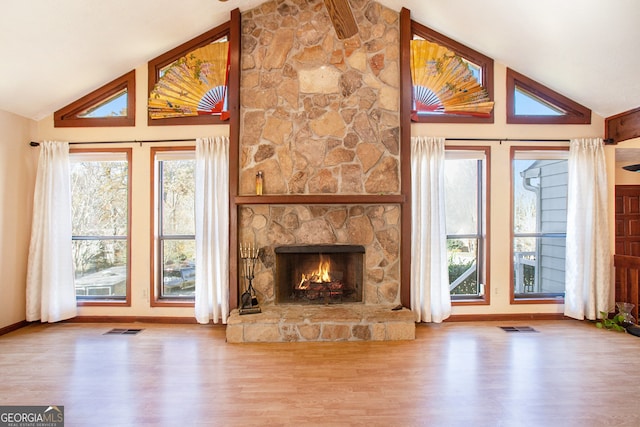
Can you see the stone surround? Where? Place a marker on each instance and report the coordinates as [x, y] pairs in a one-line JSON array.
[[344, 322], [320, 116], [376, 227]]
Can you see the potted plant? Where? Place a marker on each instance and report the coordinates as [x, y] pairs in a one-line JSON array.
[[623, 321]]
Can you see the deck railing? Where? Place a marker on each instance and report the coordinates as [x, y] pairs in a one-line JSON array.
[[520, 261]]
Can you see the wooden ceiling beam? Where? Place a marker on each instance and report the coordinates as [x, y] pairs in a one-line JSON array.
[[342, 18], [622, 126]]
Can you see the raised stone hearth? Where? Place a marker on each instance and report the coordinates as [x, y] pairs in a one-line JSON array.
[[343, 322]]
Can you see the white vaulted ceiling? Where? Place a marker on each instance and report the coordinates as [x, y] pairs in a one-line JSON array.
[[52, 52]]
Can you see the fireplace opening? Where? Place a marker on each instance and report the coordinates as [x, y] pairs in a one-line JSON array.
[[319, 274]]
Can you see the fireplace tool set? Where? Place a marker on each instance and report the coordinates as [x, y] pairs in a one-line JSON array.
[[248, 300]]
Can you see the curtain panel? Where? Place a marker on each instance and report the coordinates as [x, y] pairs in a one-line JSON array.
[[430, 296], [212, 229], [50, 279], [588, 285]]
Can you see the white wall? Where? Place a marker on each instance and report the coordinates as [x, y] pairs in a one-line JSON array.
[[17, 176]]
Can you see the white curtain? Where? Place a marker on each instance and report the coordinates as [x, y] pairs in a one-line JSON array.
[[50, 282], [430, 297], [212, 229], [588, 258]]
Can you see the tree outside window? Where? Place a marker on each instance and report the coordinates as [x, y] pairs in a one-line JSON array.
[[100, 223]]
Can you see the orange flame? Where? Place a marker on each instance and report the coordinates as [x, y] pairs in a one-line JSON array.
[[321, 275], [324, 267]]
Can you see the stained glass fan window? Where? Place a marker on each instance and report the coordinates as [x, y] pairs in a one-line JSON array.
[[195, 84], [443, 83]]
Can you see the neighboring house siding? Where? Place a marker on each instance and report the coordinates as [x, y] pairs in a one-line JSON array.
[[553, 214]]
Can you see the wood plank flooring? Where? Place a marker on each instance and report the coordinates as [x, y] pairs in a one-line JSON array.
[[568, 373]]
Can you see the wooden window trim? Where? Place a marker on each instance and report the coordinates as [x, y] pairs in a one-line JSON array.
[[576, 113], [512, 297], [160, 62], [467, 53], [68, 116], [154, 291], [126, 302]]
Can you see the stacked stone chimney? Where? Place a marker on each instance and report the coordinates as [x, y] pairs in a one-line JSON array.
[[320, 116]]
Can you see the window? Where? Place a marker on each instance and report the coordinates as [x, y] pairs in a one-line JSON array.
[[100, 200], [114, 104], [160, 109], [174, 253], [539, 182], [466, 213], [529, 102], [457, 99]]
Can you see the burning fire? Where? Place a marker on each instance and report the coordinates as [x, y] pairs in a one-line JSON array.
[[321, 275]]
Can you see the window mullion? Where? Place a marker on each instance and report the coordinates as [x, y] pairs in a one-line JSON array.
[[120, 237], [178, 237]]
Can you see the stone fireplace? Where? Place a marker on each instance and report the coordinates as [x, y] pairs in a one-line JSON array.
[[319, 118], [375, 228], [319, 274]]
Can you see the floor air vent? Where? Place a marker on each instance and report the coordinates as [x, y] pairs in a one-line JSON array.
[[517, 329], [123, 332]]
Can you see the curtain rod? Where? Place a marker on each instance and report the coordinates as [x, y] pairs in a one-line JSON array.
[[606, 141], [134, 141], [146, 141]]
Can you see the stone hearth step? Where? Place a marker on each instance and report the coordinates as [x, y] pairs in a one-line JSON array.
[[340, 322]]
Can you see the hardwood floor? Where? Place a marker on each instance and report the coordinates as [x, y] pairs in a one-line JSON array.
[[455, 374]]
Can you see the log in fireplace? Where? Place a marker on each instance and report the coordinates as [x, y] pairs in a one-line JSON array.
[[319, 274]]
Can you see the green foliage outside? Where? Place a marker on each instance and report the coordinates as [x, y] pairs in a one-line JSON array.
[[458, 266]]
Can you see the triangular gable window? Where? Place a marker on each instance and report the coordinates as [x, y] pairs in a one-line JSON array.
[[451, 83], [111, 105], [189, 84], [529, 102], [116, 106]]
